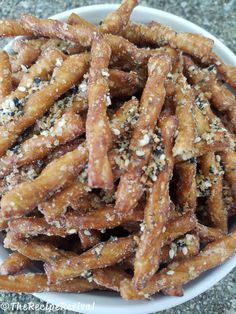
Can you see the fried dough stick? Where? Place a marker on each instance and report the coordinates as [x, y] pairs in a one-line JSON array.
[[73, 68], [57, 29], [156, 212], [98, 133], [186, 187], [102, 255], [12, 28], [31, 283], [130, 188], [89, 238], [215, 205], [178, 274], [35, 249], [101, 218], [159, 35], [75, 19], [116, 21], [34, 226], [184, 101], [26, 196], [5, 74], [14, 263], [110, 277]]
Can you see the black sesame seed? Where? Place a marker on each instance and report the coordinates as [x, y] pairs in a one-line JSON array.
[[158, 151], [180, 243], [100, 23], [11, 113], [74, 89], [37, 80], [193, 160], [17, 102], [15, 148], [211, 68]]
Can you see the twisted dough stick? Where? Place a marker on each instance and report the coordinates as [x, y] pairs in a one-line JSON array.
[[98, 133], [130, 188], [116, 21], [159, 35]]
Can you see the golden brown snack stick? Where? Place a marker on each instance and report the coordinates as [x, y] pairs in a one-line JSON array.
[[75, 19], [14, 263], [130, 188], [98, 133], [72, 69], [184, 100], [208, 234], [116, 21], [178, 274], [216, 210], [5, 75], [228, 72], [101, 218], [123, 83], [186, 187], [68, 127], [24, 58], [33, 226], [229, 163], [31, 282], [179, 226], [12, 28], [89, 238], [36, 250], [102, 255], [156, 212], [57, 29], [159, 35], [26, 196], [110, 277]]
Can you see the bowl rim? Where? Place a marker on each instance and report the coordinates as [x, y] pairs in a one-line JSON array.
[[207, 279]]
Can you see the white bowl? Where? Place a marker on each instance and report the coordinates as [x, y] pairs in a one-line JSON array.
[[109, 302]]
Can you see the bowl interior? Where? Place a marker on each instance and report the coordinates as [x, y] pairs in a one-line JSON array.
[[107, 302]]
